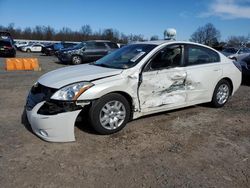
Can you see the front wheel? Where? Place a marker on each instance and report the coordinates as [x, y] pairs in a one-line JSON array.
[[221, 94], [76, 60], [110, 113]]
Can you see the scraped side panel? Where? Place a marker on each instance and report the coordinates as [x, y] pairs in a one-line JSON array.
[[162, 89]]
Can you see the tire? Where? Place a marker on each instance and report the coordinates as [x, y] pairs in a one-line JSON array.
[[110, 113], [221, 94], [28, 50], [76, 60]]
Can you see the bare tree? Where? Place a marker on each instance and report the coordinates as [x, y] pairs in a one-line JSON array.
[[85, 31], [66, 34], [207, 35], [237, 41], [154, 37]]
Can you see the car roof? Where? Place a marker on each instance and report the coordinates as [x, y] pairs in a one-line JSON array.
[[160, 42], [98, 41]]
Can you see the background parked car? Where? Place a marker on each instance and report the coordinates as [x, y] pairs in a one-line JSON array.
[[19, 45], [229, 51], [239, 54], [32, 48], [86, 51], [7, 49], [245, 64], [4, 35], [53, 48]]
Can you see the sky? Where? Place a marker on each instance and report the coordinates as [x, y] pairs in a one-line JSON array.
[[146, 17]]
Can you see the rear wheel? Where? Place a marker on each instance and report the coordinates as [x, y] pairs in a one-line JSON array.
[[28, 50], [109, 114], [221, 93], [76, 60]]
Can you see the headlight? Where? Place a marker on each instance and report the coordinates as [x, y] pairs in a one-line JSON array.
[[71, 92]]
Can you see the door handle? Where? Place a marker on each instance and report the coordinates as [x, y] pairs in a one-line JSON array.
[[216, 70], [178, 77]]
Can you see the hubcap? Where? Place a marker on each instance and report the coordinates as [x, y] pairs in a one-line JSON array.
[[112, 115], [77, 60], [222, 94]]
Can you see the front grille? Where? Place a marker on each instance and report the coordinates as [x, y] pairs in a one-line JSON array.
[[38, 93]]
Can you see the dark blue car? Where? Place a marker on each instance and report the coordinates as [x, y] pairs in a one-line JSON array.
[[245, 64]]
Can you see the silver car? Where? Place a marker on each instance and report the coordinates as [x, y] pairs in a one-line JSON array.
[[240, 54]]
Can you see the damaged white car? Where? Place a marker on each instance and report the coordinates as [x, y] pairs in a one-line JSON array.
[[136, 80]]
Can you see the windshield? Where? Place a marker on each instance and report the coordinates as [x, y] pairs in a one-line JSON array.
[[5, 43], [125, 57]]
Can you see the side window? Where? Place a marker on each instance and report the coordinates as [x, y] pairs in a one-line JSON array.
[[100, 45], [112, 45], [166, 58], [90, 45], [197, 55]]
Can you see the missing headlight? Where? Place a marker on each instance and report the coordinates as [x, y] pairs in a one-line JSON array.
[[53, 107]]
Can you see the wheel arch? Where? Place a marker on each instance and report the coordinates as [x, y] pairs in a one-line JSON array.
[[230, 82], [127, 97]]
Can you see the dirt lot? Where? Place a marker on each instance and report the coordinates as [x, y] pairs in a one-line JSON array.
[[193, 147]]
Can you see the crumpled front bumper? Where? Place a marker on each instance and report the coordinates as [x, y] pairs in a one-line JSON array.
[[53, 128]]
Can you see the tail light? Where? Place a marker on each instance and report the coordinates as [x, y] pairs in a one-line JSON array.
[[7, 47]]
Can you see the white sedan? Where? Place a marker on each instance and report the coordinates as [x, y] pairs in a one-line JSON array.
[[136, 80], [32, 48]]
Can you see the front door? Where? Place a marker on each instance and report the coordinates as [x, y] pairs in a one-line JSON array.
[[163, 81]]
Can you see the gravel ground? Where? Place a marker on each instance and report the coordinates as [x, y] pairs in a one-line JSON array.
[[193, 147]]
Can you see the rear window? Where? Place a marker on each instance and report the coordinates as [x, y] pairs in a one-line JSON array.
[[200, 55], [100, 45]]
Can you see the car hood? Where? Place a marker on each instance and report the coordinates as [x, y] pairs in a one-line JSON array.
[[65, 76]]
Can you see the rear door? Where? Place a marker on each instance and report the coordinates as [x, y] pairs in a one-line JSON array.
[[162, 84], [203, 70]]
